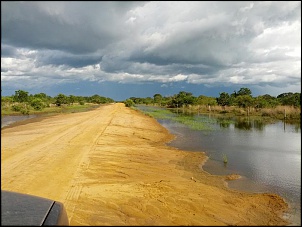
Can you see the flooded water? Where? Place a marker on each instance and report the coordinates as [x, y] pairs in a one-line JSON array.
[[12, 119], [267, 155], [8, 120]]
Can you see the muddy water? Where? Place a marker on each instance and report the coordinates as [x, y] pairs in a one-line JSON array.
[[266, 155]]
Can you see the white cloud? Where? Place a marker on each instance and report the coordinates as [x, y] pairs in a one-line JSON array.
[[167, 42]]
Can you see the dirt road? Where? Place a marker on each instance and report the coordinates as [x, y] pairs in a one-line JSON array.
[[110, 166]]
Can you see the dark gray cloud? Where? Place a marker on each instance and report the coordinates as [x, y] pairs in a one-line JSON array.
[[7, 51], [210, 43], [76, 27], [62, 58]]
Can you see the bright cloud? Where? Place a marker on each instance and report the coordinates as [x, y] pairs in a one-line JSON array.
[[211, 43]]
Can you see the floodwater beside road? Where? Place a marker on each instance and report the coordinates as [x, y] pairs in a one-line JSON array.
[[267, 155], [8, 120]]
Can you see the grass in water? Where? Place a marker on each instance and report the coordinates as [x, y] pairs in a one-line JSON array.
[[225, 158], [195, 123], [159, 114]]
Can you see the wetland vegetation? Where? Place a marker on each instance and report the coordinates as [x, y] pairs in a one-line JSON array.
[[240, 103]]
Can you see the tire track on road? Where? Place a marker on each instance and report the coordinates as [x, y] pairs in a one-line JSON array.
[[24, 170], [76, 185]]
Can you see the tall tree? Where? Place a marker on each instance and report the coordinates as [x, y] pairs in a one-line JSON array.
[[223, 99], [183, 98], [157, 98], [244, 91], [21, 96], [61, 99]]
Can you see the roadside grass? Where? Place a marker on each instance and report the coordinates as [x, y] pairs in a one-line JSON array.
[[51, 110]]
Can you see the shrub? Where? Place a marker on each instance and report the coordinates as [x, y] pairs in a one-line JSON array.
[[16, 107], [37, 104], [129, 103], [20, 108]]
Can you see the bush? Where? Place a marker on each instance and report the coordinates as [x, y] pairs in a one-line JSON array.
[[16, 107], [20, 108], [129, 103], [37, 104], [24, 111]]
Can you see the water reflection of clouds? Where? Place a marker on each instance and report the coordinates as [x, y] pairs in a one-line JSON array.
[[281, 171], [268, 153]]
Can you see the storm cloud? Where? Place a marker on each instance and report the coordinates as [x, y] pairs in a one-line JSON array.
[[211, 43]]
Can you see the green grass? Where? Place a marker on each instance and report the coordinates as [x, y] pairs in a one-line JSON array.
[[192, 122], [159, 114], [52, 110]]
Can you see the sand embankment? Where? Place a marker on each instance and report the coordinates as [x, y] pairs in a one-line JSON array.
[[110, 166]]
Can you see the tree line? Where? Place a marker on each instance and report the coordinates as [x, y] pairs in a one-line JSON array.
[[241, 98], [21, 101]]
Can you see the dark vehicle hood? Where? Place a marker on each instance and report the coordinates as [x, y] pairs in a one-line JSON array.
[[29, 210]]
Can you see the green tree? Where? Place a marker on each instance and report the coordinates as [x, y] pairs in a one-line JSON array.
[[157, 98], [72, 99], [21, 96], [290, 99], [99, 99], [223, 99], [148, 101], [183, 98], [37, 103], [244, 91], [244, 101], [95, 99], [129, 102], [205, 100], [137, 100], [42, 96], [61, 99], [166, 101], [265, 101]]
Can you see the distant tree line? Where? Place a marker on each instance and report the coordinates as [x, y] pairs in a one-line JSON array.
[[22, 100], [241, 98]]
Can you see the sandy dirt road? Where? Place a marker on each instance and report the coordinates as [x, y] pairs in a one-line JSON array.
[[111, 166]]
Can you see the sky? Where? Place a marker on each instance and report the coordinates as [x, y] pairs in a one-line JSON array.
[[123, 49]]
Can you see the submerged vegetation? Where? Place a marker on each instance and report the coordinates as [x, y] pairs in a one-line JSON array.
[[225, 158], [239, 103], [193, 122], [159, 113]]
